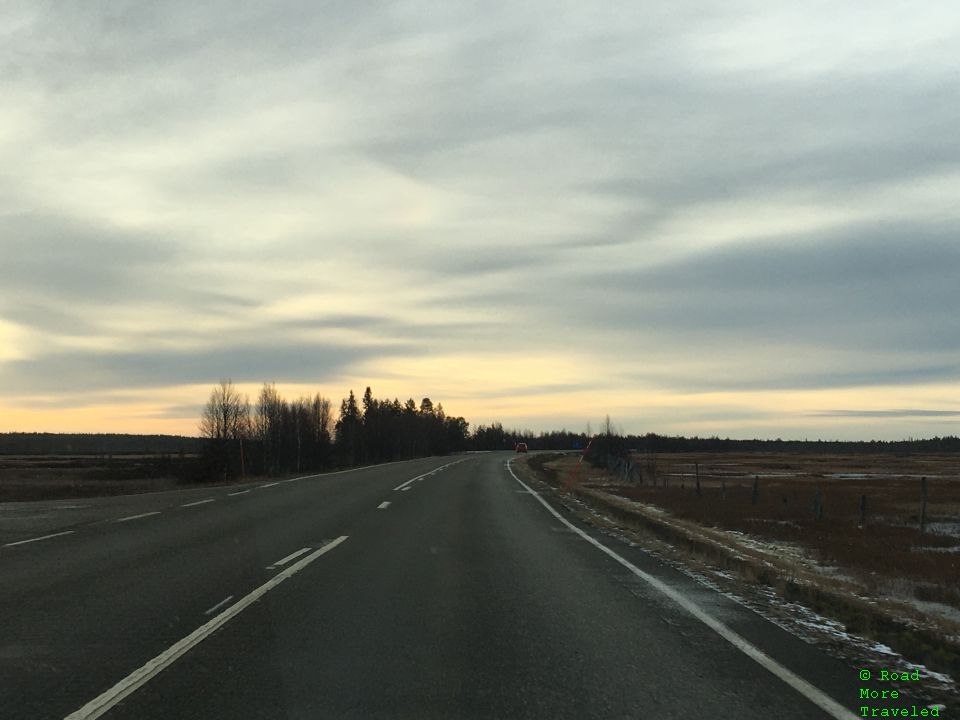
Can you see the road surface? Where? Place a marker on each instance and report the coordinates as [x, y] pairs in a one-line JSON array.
[[434, 588]]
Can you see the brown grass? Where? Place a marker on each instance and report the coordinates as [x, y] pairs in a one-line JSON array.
[[887, 548]]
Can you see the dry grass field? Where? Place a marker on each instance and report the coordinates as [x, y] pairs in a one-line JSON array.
[[48, 477], [887, 552]]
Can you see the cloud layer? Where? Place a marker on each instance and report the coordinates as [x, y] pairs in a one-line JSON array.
[[733, 218]]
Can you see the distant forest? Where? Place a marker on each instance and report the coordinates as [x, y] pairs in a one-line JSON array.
[[33, 443], [652, 442]]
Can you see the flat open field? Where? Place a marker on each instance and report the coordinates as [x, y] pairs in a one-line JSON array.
[[47, 477], [887, 554]]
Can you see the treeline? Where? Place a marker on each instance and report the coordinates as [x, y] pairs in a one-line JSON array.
[[276, 436], [663, 443], [36, 443], [496, 437]]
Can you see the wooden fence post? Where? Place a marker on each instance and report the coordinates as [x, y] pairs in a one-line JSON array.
[[696, 468], [756, 490], [817, 504], [863, 510]]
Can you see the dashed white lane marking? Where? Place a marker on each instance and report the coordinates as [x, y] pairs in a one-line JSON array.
[[288, 558], [404, 485], [142, 675], [38, 539], [809, 691], [239, 492], [270, 484], [219, 605], [198, 502], [405, 489], [137, 517], [384, 505]]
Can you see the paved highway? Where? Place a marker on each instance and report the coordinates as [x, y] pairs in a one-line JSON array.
[[435, 588]]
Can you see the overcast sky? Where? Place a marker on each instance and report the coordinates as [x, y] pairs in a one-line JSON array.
[[731, 218]]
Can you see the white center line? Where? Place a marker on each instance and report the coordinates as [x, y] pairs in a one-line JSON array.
[[403, 485], [37, 539], [137, 517], [141, 676], [219, 605], [199, 502], [405, 489], [811, 692], [288, 558], [240, 492], [384, 505]]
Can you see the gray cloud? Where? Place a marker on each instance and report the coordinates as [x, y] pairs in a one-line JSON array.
[[479, 179], [67, 258], [864, 287], [292, 362], [901, 413], [178, 412]]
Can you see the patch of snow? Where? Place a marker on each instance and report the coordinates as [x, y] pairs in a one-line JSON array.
[[771, 521], [643, 506], [767, 546], [949, 529], [928, 673], [934, 608], [859, 476], [832, 572], [951, 549]]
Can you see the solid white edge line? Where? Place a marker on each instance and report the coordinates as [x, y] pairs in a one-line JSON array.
[[38, 539], [291, 556], [219, 605], [269, 484], [137, 517], [142, 675], [384, 505], [199, 502], [811, 692], [241, 492]]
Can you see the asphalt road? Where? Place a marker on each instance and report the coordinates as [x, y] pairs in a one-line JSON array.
[[363, 594]]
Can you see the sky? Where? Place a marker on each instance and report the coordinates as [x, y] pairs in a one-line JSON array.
[[733, 218]]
